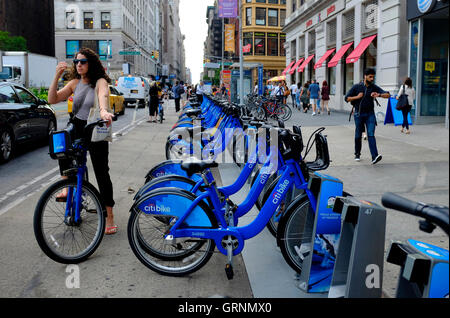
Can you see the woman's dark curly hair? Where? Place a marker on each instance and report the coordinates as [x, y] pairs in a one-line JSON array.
[[96, 70]]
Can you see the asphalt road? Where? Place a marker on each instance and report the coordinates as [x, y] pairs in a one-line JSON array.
[[32, 169]]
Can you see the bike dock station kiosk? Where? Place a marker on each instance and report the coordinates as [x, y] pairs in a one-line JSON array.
[[358, 270], [343, 247]]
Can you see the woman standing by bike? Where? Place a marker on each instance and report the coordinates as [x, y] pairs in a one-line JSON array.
[[89, 80], [154, 102], [325, 92]]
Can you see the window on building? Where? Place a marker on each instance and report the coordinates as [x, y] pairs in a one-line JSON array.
[[248, 16], [312, 41], [72, 47], [91, 44], [273, 1], [273, 17], [106, 20], [301, 46], [260, 43], [331, 33], [261, 1], [348, 30], [272, 44], [248, 39], [282, 17], [260, 16], [369, 58], [282, 42], [88, 20], [370, 16], [349, 70], [293, 46], [331, 78], [71, 22]]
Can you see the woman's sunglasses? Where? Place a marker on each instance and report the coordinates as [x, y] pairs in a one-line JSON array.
[[82, 61]]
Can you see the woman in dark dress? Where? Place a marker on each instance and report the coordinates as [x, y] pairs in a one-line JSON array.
[[154, 102]]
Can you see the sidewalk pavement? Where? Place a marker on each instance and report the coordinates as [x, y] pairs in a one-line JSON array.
[[415, 166]]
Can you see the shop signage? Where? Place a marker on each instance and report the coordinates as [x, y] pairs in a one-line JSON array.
[[425, 6], [228, 8], [229, 38], [325, 14]]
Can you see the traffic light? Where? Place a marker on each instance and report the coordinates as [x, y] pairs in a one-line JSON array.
[[157, 54], [153, 54]]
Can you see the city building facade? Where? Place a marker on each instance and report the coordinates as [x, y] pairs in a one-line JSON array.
[[428, 59], [263, 36], [123, 32], [335, 41], [172, 42], [34, 20]]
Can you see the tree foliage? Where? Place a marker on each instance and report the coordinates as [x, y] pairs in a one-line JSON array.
[[12, 43]]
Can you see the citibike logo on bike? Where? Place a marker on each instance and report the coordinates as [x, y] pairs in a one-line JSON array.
[[156, 208], [281, 189]]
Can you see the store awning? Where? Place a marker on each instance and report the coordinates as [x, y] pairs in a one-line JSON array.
[[323, 58], [288, 68], [305, 63], [338, 56], [363, 45], [292, 71]]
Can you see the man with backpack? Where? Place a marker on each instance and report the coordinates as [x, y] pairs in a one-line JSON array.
[[362, 96]]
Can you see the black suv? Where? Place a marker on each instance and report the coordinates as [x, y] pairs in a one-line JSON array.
[[23, 118]]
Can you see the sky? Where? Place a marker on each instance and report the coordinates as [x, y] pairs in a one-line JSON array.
[[193, 26]]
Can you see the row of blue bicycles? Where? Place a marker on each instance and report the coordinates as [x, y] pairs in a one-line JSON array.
[[182, 215]]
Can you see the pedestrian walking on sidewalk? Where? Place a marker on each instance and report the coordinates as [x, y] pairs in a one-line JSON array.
[[177, 90], [325, 92], [294, 90], [408, 90], [362, 96], [297, 97], [304, 97], [314, 91], [154, 102], [88, 82]]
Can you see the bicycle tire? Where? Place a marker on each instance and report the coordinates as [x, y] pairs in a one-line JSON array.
[[50, 243], [291, 234], [166, 265]]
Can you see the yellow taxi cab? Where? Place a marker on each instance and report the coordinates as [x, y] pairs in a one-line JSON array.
[[116, 101]]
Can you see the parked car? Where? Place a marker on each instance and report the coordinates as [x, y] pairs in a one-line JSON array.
[[134, 88], [24, 118], [116, 102]]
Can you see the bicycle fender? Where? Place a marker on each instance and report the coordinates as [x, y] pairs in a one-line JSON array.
[[169, 167], [167, 181], [175, 202]]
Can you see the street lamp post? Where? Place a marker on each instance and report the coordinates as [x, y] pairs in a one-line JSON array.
[[241, 58]]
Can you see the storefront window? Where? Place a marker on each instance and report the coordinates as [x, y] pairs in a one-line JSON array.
[[370, 56], [434, 67], [413, 58], [282, 41], [260, 43], [331, 78], [349, 70], [248, 39], [272, 44]]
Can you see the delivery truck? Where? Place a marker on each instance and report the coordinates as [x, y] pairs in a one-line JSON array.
[[28, 69]]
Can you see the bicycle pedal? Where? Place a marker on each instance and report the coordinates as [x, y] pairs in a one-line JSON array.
[[229, 271]]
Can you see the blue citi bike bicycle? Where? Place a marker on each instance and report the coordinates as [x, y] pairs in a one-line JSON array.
[[69, 231], [174, 232]]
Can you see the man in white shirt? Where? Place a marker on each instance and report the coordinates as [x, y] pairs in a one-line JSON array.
[[200, 91], [294, 91]]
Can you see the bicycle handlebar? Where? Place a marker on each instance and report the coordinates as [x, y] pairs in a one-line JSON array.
[[438, 215]]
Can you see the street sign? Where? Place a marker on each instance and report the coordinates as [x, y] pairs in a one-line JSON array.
[[129, 53], [212, 65]]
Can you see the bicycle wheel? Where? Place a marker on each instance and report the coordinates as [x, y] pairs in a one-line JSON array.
[[146, 235], [61, 239], [287, 113], [176, 151], [294, 233], [260, 113]]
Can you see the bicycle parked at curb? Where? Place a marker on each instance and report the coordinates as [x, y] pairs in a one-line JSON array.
[[69, 232]]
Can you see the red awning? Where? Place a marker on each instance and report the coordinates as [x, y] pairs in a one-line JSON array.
[[288, 68], [363, 45], [338, 56], [292, 71], [323, 58], [305, 63]]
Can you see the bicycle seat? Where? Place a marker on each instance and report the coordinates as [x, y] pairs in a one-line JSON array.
[[197, 166], [193, 112]]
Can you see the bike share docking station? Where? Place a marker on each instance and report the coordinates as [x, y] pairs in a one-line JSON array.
[[424, 269], [343, 244]]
